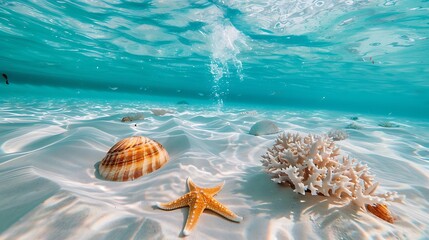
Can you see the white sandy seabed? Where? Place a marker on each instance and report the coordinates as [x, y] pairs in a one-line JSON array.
[[49, 188]]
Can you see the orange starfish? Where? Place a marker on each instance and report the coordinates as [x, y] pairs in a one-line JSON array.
[[199, 199]]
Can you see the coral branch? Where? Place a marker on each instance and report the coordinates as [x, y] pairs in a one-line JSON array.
[[314, 163]]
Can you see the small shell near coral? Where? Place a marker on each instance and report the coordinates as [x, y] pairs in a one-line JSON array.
[[381, 211], [132, 158]]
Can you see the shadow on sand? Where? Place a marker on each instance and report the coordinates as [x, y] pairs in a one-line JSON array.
[[278, 200]]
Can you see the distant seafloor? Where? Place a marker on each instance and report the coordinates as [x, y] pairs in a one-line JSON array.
[[49, 189]]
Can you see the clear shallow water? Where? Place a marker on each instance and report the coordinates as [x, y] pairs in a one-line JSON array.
[[77, 67], [363, 56]]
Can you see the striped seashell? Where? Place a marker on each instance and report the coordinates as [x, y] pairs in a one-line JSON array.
[[381, 211], [132, 158]]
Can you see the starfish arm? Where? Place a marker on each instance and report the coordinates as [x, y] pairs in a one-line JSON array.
[[214, 190], [210, 191], [178, 203], [191, 185], [220, 209], [195, 210]]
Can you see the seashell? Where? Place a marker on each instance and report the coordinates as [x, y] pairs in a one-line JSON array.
[[132, 158], [133, 117], [388, 124], [381, 211], [264, 127], [353, 126]]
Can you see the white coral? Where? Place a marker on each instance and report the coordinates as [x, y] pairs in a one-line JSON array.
[[337, 134], [313, 163]]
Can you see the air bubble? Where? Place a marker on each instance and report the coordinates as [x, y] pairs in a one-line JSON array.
[[226, 41]]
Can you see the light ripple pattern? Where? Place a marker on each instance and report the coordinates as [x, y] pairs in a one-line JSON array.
[[50, 188]]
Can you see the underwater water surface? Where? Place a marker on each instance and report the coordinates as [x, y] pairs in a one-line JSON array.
[[355, 55]]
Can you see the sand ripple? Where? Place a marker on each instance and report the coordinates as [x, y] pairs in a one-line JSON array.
[[49, 187]]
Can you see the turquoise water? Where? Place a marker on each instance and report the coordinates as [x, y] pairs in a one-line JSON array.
[[359, 56]]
